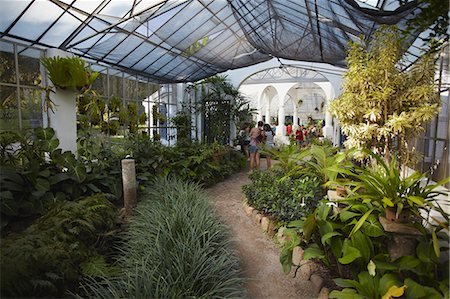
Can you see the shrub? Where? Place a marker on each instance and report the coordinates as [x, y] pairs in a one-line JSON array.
[[45, 259], [284, 198], [173, 248]]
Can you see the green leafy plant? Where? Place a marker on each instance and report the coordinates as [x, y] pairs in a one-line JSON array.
[[282, 198], [69, 72], [174, 247], [37, 174], [383, 186], [381, 108], [44, 260]]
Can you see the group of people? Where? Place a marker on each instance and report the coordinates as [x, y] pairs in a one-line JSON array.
[[303, 135], [255, 139]]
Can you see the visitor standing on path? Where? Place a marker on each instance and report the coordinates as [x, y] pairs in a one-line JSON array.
[[244, 138], [269, 143], [256, 138]]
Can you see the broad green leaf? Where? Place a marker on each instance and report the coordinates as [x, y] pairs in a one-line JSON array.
[[286, 259], [309, 226], [79, 172], [394, 292], [372, 227], [346, 215], [415, 290], [363, 244], [347, 283], [407, 262], [42, 184], [327, 236], [387, 281], [313, 252], [360, 222], [349, 254], [345, 294]]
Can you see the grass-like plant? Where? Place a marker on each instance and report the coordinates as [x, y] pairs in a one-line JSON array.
[[173, 248]]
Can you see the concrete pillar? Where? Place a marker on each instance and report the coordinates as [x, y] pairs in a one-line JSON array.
[[295, 124], [129, 185], [328, 128], [63, 118], [259, 114], [268, 112], [281, 128]]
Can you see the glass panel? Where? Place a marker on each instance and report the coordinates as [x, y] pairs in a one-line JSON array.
[[36, 19], [115, 83], [63, 28], [11, 9], [100, 84], [142, 92], [7, 68], [31, 108], [9, 112], [29, 67], [129, 84]]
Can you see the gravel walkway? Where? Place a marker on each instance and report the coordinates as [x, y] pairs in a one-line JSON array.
[[258, 254]]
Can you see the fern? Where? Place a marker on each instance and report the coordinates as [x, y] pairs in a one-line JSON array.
[[69, 72], [45, 259]]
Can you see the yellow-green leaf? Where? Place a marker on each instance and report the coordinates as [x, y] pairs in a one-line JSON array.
[[371, 268], [394, 291], [437, 250]]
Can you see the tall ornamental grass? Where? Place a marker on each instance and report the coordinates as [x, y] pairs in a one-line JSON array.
[[174, 247]]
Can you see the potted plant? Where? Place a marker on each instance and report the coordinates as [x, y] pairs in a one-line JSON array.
[[69, 73], [401, 199]]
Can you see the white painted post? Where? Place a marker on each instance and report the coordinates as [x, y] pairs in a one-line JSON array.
[[64, 117]]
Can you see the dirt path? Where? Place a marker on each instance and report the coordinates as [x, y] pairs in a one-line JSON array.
[[258, 253]]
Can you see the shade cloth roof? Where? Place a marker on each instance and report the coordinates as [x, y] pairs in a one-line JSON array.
[[187, 40]]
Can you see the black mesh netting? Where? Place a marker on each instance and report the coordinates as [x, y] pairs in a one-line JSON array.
[[182, 41]]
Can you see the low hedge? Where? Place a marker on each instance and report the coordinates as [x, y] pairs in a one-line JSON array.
[[283, 197]]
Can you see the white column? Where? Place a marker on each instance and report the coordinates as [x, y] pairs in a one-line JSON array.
[[259, 114], [281, 128], [328, 128], [295, 124], [64, 117], [268, 113]]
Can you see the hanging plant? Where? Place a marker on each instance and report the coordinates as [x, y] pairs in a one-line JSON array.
[[142, 118], [69, 73]]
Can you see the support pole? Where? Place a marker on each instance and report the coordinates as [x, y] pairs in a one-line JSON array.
[[129, 185]]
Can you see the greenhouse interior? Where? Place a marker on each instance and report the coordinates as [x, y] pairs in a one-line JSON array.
[[224, 149]]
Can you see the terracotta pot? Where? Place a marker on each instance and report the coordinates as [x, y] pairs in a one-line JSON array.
[[341, 191], [404, 216]]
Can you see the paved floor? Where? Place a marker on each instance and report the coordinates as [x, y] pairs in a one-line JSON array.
[[258, 254]]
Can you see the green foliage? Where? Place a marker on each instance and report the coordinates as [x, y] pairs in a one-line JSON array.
[[205, 164], [383, 186], [283, 198], [69, 72], [182, 122], [382, 108], [36, 175], [173, 248], [44, 260]]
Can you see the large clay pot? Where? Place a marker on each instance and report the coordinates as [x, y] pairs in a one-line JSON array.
[[341, 191], [403, 217]]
